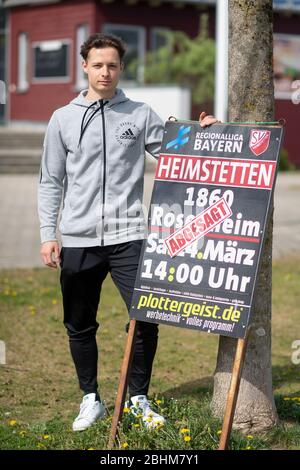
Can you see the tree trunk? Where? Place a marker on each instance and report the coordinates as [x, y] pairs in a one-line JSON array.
[[251, 98]]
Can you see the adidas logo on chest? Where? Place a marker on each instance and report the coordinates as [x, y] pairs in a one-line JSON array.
[[127, 133]]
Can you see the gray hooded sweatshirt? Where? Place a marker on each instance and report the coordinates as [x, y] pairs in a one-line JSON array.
[[93, 162]]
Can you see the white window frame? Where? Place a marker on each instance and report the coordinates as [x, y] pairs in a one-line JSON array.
[[153, 32], [288, 5], [82, 32], [22, 82], [109, 27], [67, 78]]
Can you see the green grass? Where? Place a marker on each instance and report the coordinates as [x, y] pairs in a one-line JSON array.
[[39, 395]]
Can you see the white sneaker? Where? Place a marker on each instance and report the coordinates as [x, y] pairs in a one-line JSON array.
[[90, 411], [140, 407]]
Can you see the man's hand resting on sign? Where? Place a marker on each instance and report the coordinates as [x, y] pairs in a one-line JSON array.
[[206, 120]]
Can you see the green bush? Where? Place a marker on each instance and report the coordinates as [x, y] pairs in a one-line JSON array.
[[284, 162], [185, 62]]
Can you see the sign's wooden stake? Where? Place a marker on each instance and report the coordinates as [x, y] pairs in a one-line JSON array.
[[233, 391], [121, 394]]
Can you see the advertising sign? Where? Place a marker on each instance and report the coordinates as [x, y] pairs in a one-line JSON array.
[[212, 191]]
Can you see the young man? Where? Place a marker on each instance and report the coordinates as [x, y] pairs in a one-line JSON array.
[[93, 159]]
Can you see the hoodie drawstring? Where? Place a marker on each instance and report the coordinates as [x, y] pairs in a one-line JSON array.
[[83, 126]]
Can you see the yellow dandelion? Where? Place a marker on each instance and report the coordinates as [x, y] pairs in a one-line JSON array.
[[139, 416], [249, 448], [184, 430], [125, 445], [32, 309], [45, 290], [158, 402], [46, 436], [157, 423], [12, 422], [148, 420], [249, 437], [54, 301], [159, 426], [126, 410], [187, 438], [286, 398], [22, 433], [136, 425], [91, 448], [219, 432], [41, 446]]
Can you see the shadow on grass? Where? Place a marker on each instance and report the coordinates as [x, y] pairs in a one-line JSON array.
[[285, 374], [288, 407], [282, 375], [191, 389]]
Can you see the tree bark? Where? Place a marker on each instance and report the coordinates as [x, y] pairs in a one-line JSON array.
[[251, 98]]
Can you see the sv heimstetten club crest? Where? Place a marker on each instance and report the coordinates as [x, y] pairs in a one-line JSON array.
[[259, 141]]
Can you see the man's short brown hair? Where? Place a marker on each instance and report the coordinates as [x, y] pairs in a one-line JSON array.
[[100, 41]]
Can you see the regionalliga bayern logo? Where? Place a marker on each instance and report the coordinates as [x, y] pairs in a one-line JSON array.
[[181, 139], [127, 133]]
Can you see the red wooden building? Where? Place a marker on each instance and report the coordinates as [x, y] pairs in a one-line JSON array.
[[43, 37]]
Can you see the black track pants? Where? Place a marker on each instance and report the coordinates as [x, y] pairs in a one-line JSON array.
[[82, 272]]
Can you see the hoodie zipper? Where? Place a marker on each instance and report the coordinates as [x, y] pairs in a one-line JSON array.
[[104, 169]]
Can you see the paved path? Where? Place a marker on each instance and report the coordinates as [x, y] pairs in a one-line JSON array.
[[19, 234]]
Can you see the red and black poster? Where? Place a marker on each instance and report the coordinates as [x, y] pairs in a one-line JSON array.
[[212, 191]]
